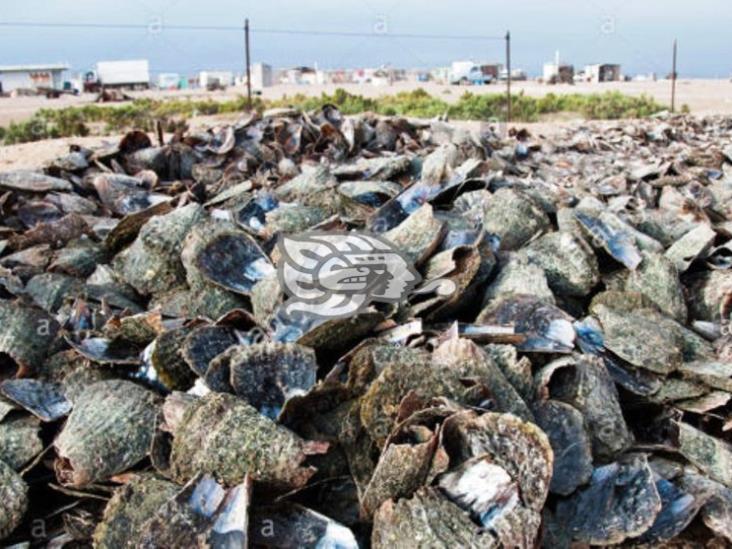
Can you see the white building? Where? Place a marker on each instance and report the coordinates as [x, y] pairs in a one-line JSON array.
[[215, 78], [261, 76], [13, 77], [605, 72], [169, 81]]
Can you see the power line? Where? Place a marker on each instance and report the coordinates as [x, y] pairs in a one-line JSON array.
[[254, 30]]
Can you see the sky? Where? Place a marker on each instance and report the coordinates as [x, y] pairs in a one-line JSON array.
[[638, 34]]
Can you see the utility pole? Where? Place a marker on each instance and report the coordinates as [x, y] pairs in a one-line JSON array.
[[508, 76], [249, 75], [673, 79]]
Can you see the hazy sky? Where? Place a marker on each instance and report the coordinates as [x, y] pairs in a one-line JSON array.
[[636, 33]]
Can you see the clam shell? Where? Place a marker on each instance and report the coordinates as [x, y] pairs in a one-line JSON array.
[[678, 509], [620, 502], [122, 194], [267, 374], [205, 343], [565, 427], [14, 495], [20, 440], [689, 247], [711, 455], [403, 467], [492, 497], [514, 217], [608, 232], [152, 263], [57, 233], [109, 430], [291, 525], [518, 446], [658, 279], [418, 236], [519, 277], [427, 519], [225, 437], [585, 384], [33, 182], [546, 328], [26, 334], [46, 401], [233, 261], [128, 510], [569, 263], [166, 358]]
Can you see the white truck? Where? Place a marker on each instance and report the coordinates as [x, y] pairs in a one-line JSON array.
[[467, 72], [133, 74]]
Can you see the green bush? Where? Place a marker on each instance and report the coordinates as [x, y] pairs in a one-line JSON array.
[[144, 113]]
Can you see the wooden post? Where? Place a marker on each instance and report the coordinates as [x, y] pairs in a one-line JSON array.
[[673, 79], [249, 75], [508, 76]]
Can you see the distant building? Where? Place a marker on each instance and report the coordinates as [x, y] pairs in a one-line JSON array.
[[215, 79], [303, 75], [558, 73], [14, 77], [517, 74], [605, 72], [169, 81], [440, 75], [261, 76]]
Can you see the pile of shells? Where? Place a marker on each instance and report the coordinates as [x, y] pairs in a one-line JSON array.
[[574, 390]]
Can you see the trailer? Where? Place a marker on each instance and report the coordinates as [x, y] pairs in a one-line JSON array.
[[467, 72], [131, 74]]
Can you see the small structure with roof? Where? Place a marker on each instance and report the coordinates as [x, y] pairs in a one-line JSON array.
[[32, 77]]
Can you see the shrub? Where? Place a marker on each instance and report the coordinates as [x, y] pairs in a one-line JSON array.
[[143, 113]]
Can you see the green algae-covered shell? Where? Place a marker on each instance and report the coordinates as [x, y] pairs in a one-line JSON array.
[[418, 235], [14, 498], [411, 370], [152, 263], [569, 263], [583, 382], [426, 520], [26, 333], [109, 430], [492, 497], [130, 507], [514, 217], [223, 436], [520, 447], [19, 440], [658, 279]]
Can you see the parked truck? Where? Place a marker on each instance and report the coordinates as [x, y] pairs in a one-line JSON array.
[[467, 72], [128, 74]]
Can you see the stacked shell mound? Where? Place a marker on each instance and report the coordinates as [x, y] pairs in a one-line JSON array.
[[573, 390]]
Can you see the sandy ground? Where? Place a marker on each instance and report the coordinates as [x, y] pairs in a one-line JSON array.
[[702, 96]]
